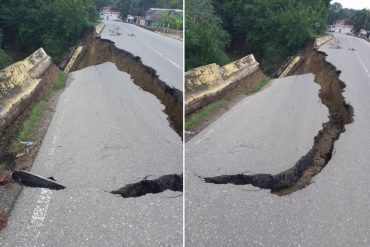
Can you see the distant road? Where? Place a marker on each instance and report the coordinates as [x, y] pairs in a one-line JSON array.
[[269, 132], [106, 133], [160, 52]]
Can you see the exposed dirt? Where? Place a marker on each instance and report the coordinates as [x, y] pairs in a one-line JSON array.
[[340, 114], [232, 94], [167, 182], [97, 51], [25, 161], [3, 220]]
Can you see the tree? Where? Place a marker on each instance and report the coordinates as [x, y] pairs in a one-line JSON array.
[[272, 29], [171, 20], [205, 40], [361, 20], [138, 7], [54, 25]]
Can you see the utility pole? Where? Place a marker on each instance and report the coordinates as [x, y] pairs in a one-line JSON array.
[[367, 12], [130, 6]]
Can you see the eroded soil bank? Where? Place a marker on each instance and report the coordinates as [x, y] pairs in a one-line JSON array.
[[340, 114], [97, 51], [23, 161]]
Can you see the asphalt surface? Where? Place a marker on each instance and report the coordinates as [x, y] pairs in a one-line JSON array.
[[106, 133], [268, 132], [162, 53]]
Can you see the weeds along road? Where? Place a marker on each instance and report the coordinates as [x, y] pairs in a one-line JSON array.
[[267, 133], [162, 53], [106, 133]]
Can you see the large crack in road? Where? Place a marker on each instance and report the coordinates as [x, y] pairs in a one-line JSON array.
[[309, 165], [167, 182], [97, 51]]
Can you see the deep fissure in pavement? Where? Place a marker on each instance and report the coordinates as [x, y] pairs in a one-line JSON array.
[[167, 182], [97, 51], [340, 114], [31, 180]]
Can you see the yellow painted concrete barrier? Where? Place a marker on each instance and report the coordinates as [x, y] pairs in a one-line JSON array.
[[73, 58], [99, 29], [290, 66], [18, 82], [203, 83], [322, 40]]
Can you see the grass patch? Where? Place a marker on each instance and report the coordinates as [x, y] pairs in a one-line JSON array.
[[261, 84], [60, 83], [30, 125], [196, 118]]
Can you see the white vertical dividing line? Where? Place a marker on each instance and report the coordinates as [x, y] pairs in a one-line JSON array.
[[38, 217]]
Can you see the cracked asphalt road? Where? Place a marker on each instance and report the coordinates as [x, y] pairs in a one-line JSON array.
[[106, 133], [268, 132], [162, 53]]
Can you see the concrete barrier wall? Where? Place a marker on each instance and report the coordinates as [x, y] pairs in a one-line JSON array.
[[322, 40], [18, 82], [210, 80], [290, 66], [99, 29]]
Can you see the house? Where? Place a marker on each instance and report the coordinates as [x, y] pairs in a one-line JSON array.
[[109, 13], [343, 26], [153, 16]]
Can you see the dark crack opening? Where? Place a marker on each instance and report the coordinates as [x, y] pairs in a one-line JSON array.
[[340, 114], [167, 182], [97, 51], [31, 180]]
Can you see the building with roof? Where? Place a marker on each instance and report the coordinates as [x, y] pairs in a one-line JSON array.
[[109, 13], [153, 16]]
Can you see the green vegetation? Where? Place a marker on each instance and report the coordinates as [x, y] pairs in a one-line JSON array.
[[138, 7], [5, 59], [261, 84], [54, 25], [352, 16], [29, 126], [272, 30], [205, 40], [196, 118], [60, 82], [171, 21]]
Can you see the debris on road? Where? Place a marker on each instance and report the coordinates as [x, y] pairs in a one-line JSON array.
[[27, 143]]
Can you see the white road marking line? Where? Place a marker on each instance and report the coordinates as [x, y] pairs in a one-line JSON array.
[[38, 217], [162, 55], [359, 58]]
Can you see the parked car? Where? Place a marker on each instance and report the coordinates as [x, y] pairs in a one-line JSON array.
[[331, 29]]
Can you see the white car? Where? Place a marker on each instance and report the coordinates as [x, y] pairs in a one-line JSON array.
[[331, 29]]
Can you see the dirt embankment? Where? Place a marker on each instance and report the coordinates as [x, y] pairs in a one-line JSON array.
[[9, 189], [8, 134], [340, 114], [97, 51]]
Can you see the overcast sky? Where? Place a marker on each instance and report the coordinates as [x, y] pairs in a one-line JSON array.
[[354, 4]]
